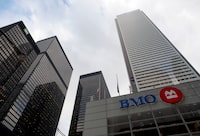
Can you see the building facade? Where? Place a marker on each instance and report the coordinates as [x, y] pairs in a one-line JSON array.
[[140, 114], [36, 99], [151, 59], [17, 52], [91, 87], [166, 101]]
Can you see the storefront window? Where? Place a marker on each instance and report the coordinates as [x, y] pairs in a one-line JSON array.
[[194, 127], [165, 112], [142, 116], [192, 116], [148, 132], [143, 124], [169, 120], [172, 130]]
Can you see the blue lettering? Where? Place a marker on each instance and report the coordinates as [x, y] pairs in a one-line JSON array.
[[138, 102], [150, 98], [124, 103]]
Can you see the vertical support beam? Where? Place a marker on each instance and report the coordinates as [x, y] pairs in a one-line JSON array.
[[130, 123], [177, 109]]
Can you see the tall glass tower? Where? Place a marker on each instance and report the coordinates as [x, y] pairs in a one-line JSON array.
[[151, 59], [34, 79], [91, 87]]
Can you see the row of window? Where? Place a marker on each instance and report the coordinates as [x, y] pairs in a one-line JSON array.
[[169, 82], [19, 39], [12, 81], [170, 75], [156, 62], [42, 111], [11, 67], [160, 72], [161, 121], [145, 43], [167, 69], [8, 58], [161, 66], [148, 59], [139, 56], [147, 40], [39, 76]]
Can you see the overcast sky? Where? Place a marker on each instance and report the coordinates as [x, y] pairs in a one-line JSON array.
[[88, 35]]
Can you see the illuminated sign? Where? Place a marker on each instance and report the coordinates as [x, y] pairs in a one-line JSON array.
[[168, 94], [171, 95], [139, 101]]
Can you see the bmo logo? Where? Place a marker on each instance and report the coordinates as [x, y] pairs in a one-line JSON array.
[[171, 95]]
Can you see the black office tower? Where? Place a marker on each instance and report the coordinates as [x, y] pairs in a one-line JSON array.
[[39, 83], [17, 52], [91, 87]]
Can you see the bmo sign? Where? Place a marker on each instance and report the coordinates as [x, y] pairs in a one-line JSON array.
[[171, 95], [168, 94], [141, 100]]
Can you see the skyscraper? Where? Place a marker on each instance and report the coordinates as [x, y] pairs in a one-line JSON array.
[[91, 87], [167, 101], [151, 59], [39, 81], [17, 52]]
